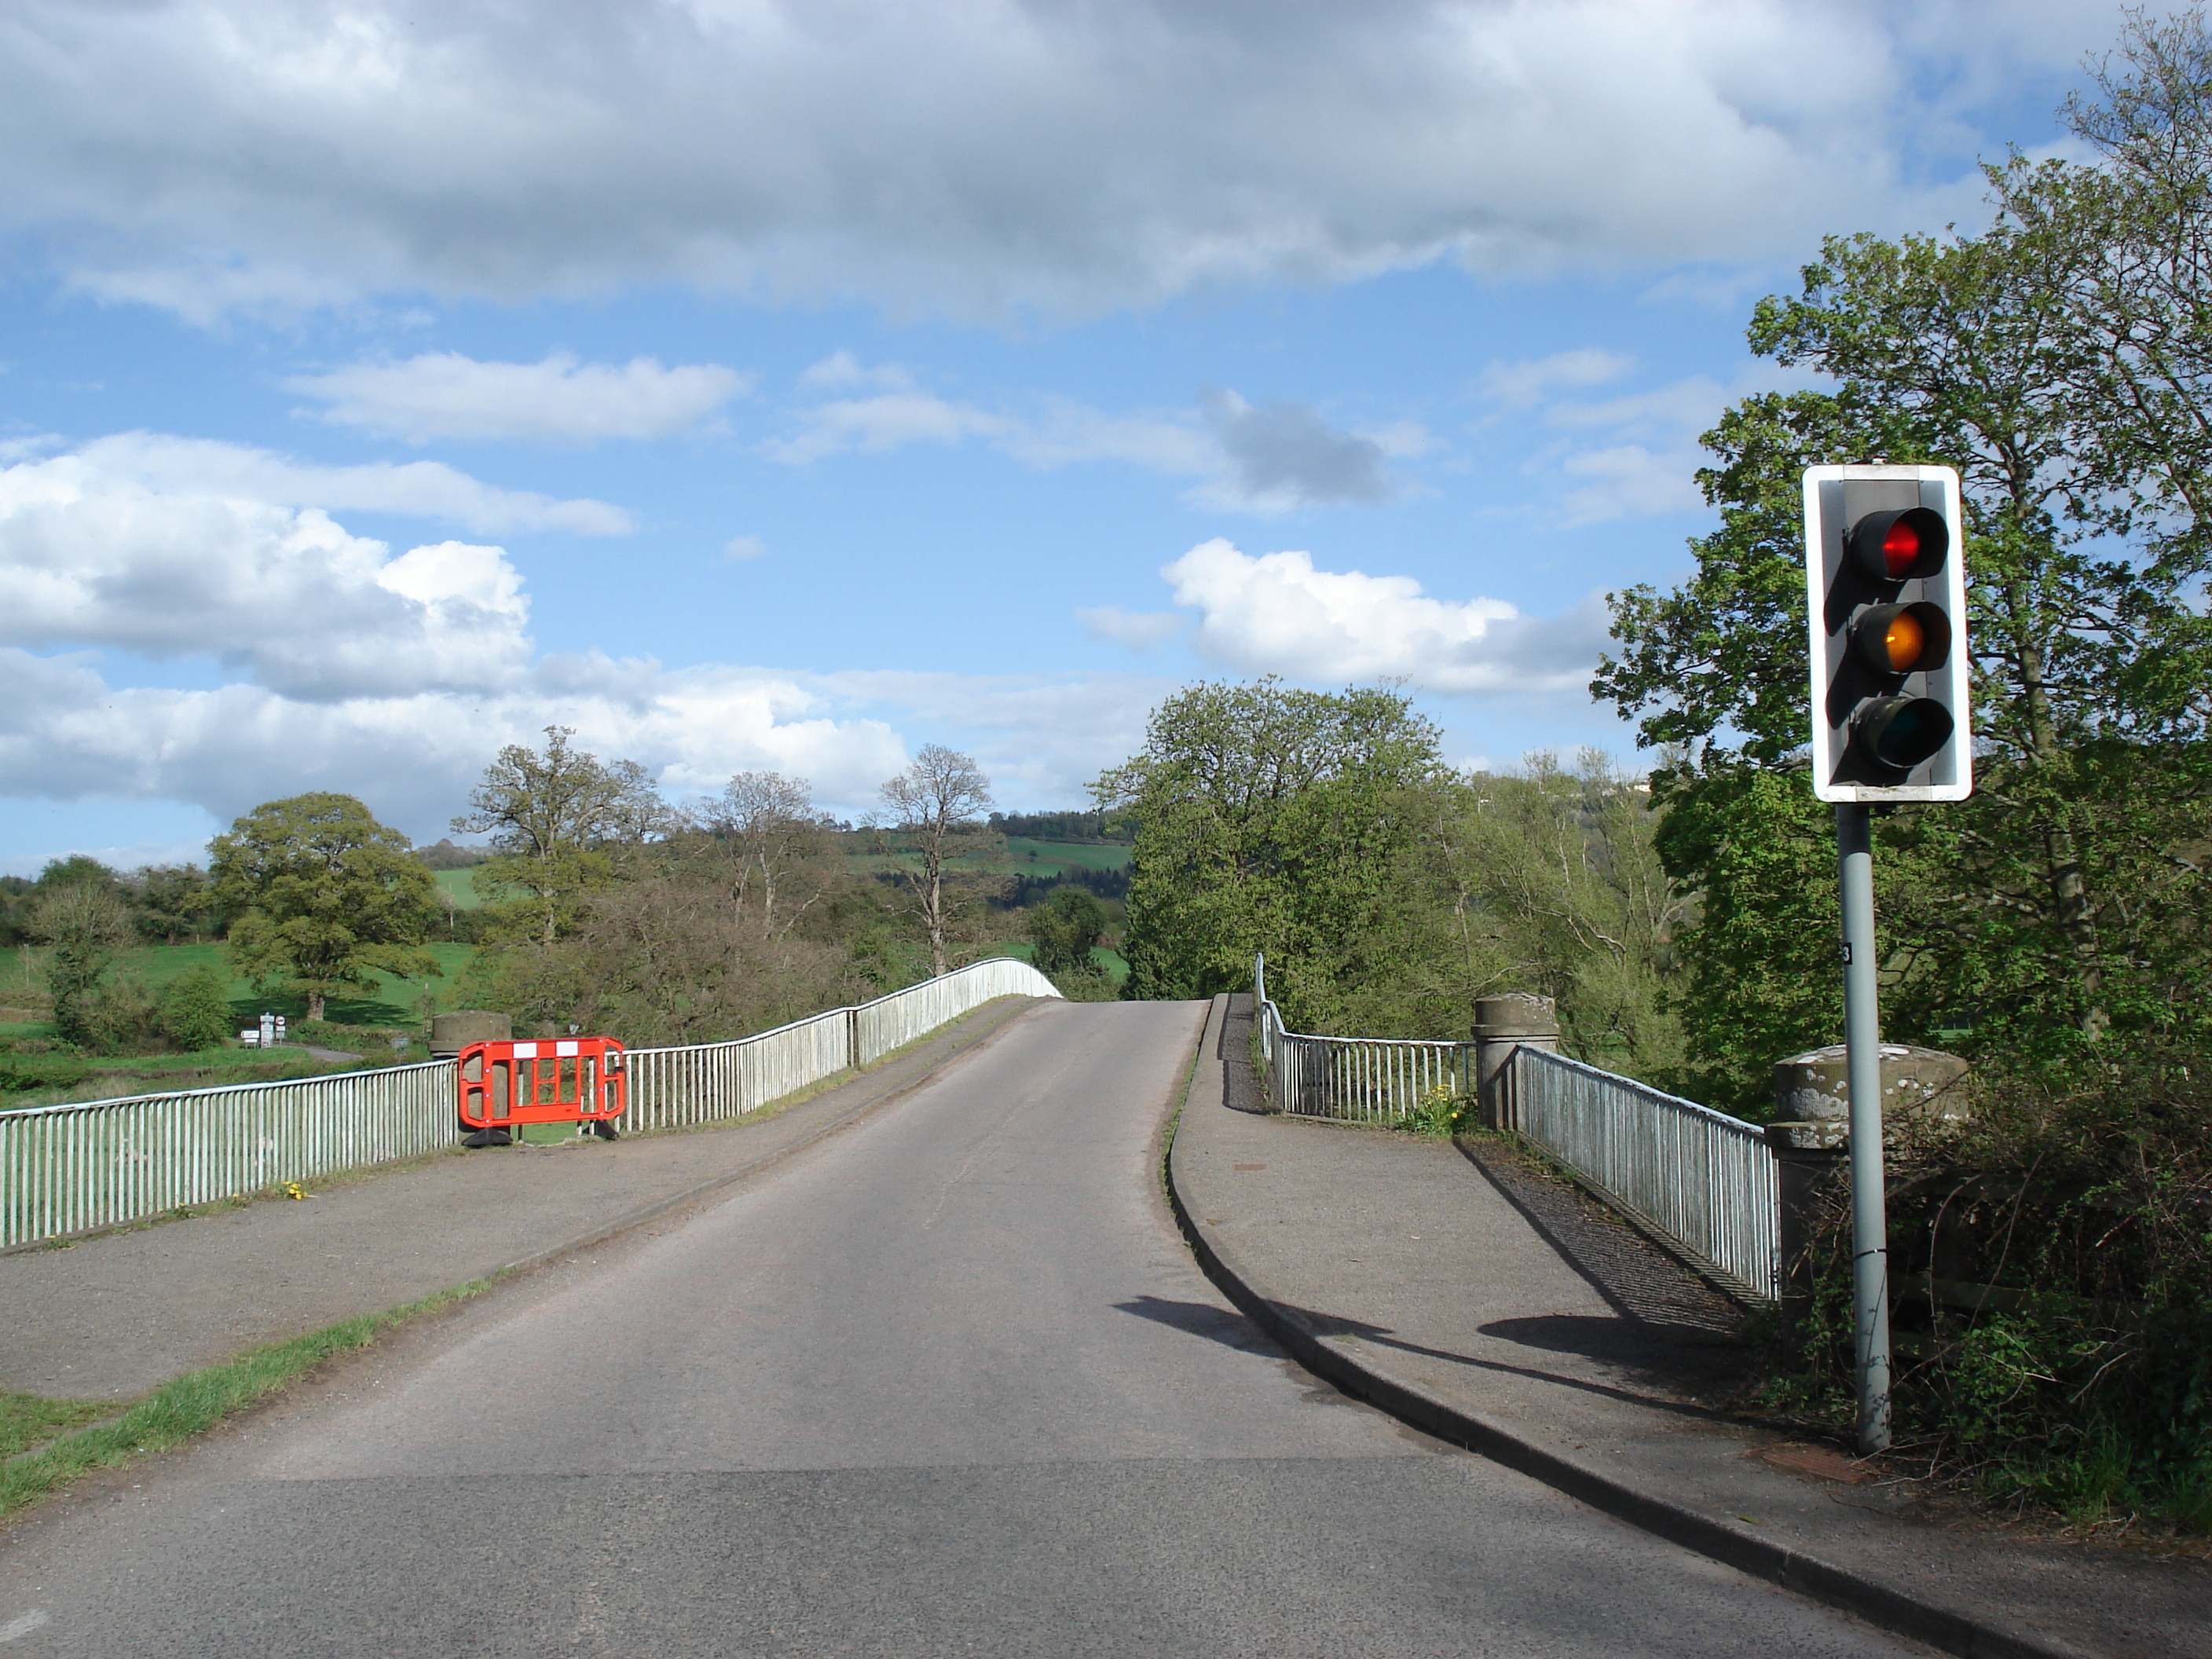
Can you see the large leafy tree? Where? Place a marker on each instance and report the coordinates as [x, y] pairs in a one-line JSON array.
[[324, 896], [2067, 897], [562, 822], [1270, 819]]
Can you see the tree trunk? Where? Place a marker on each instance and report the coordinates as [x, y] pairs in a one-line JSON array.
[[314, 1005], [2069, 893]]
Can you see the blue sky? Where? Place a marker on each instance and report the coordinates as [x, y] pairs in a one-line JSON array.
[[753, 386]]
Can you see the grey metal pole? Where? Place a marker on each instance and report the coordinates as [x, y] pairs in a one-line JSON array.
[[1870, 1207]]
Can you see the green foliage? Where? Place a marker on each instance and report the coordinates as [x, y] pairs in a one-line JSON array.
[[1268, 819], [1441, 1114], [20, 1073], [1759, 975], [2079, 1204], [561, 825], [324, 895], [194, 1012], [81, 916], [2068, 897], [1064, 928], [174, 902], [1547, 881]]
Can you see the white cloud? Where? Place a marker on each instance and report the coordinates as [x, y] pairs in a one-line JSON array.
[[397, 676], [1635, 454], [1264, 459], [443, 394], [992, 159], [889, 420], [1531, 380], [427, 489], [741, 548], [1628, 482], [1277, 614], [64, 733], [1140, 631], [91, 555]]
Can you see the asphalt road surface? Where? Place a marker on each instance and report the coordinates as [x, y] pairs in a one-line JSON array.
[[948, 1382]]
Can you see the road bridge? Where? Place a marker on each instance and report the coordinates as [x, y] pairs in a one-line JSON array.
[[946, 1381]]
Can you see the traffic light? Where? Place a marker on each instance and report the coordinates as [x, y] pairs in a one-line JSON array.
[[1886, 591]]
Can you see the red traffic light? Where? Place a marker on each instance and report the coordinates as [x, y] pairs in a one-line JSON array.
[[1902, 639], [1900, 546]]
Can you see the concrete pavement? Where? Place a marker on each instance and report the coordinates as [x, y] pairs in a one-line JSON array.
[[1493, 1306], [945, 1380]]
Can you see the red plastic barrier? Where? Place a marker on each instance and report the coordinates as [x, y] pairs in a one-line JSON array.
[[553, 1080]]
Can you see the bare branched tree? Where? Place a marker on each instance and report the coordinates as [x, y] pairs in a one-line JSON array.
[[775, 836], [936, 801]]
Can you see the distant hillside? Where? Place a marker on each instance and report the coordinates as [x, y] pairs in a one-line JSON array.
[[1063, 826]]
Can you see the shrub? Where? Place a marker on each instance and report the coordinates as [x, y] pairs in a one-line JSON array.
[[193, 1013]]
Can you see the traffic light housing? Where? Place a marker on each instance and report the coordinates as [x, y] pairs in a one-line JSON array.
[[1886, 594]]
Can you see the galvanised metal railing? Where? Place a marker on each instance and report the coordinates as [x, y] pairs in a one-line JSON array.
[[72, 1168], [79, 1167], [1356, 1080], [890, 1022], [669, 1088], [1703, 1178]]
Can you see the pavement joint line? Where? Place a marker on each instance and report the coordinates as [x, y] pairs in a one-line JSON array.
[[1333, 1360]]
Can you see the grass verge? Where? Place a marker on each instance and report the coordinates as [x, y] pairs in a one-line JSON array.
[[199, 1400]]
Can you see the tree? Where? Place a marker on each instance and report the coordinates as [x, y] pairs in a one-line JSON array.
[[561, 822], [2066, 897], [1270, 819], [86, 924], [193, 1010], [1064, 928], [171, 899], [324, 896], [935, 802], [768, 825]]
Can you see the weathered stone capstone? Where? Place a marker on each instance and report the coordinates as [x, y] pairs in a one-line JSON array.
[[1812, 1099], [451, 1033]]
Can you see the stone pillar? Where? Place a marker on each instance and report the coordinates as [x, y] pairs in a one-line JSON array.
[[451, 1033], [1811, 1133], [1502, 1023]]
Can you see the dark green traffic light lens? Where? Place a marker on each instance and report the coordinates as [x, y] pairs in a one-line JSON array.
[[1900, 732]]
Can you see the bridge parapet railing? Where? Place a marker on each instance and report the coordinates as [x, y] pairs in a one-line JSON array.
[[1705, 1181], [82, 1166], [1352, 1079]]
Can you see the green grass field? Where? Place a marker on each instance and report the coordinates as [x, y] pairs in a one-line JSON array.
[[462, 885], [1032, 856], [394, 1001]]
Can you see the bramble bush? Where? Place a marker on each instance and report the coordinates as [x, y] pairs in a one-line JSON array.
[[2079, 1200]]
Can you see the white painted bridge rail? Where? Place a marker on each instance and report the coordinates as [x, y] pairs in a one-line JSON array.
[[1704, 1180], [79, 1167]]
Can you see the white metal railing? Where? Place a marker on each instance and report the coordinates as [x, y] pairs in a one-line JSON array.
[[68, 1169], [79, 1167], [1357, 1080], [1705, 1179]]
